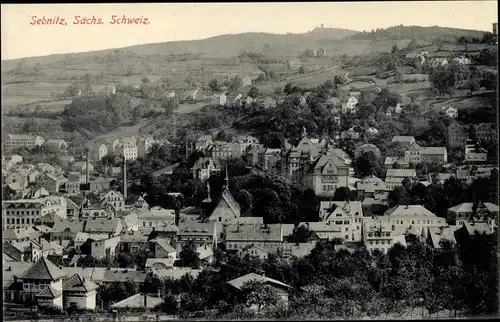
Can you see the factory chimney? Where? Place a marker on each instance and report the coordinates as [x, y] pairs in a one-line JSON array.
[[87, 167], [124, 178]]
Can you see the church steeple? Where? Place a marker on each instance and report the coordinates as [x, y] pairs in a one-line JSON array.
[[208, 199], [304, 132]]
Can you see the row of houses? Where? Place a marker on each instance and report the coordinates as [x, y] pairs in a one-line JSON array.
[[15, 141]]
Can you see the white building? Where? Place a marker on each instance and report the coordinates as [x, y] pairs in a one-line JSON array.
[[15, 141], [345, 215], [24, 213], [156, 217]]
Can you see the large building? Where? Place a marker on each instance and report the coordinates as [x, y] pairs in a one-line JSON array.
[[345, 215], [15, 141], [456, 135], [24, 213]]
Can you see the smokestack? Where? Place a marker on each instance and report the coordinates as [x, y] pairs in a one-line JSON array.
[[87, 168], [124, 178]]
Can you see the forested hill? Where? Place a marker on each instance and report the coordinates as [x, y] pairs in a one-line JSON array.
[[219, 46], [421, 33]]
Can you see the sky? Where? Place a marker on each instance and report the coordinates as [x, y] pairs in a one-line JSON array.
[[188, 21]]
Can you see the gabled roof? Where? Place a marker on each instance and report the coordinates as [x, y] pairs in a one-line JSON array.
[[166, 262], [466, 207], [137, 301], [240, 281], [102, 225], [204, 252], [163, 243], [44, 269], [77, 283], [401, 173], [49, 292], [409, 210]]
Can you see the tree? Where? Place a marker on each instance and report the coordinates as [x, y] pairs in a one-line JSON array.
[[259, 294], [288, 89], [214, 85], [366, 164], [302, 70], [145, 80], [474, 85], [170, 105], [301, 234], [394, 49], [130, 71], [189, 256], [254, 92], [223, 136], [342, 194]]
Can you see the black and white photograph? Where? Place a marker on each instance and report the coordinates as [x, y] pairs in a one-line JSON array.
[[250, 161]]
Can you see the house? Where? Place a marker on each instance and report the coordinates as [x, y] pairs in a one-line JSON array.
[[205, 254], [350, 105], [468, 211], [144, 145], [247, 81], [113, 145], [243, 143], [65, 230], [219, 99], [268, 102], [407, 217], [267, 237], [10, 161], [450, 111], [226, 209], [474, 153], [253, 251], [351, 134], [486, 132], [327, 172], [200, 233], [15, 141], [470, 229], [156, 217], [56, 145], [269, 159], [394, 177], [346, 215], [114, 199], [378, 235], [81, 238], [43, 283], [134, 241], [223, 150], [405, 141], [128, 148], [203, 143], [104, 248], [94, 212], [435, 235], [130, 220], [365, 148], [461, 60], [456, 135], [23, 213], [392, 110], [79, 292], [99, 150], [416, 154], [281, 289], [203, 168], [50, 182], [162, 248], [369, 186], [138, 301], [112, 226]]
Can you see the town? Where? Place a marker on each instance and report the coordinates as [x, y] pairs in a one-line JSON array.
[[361, 194]]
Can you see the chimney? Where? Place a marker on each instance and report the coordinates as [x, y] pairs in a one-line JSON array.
[[124, 178], [87, 168], [145, 300]]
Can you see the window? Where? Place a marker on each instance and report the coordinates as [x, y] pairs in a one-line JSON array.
[[346, 237]]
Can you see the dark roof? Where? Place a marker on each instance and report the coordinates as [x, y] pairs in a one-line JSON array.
[[102, 225], [49, 292], [77, 283], [43, 269]]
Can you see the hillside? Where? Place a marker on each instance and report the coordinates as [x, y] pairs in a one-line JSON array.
[[219, 46], [419, 33]]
